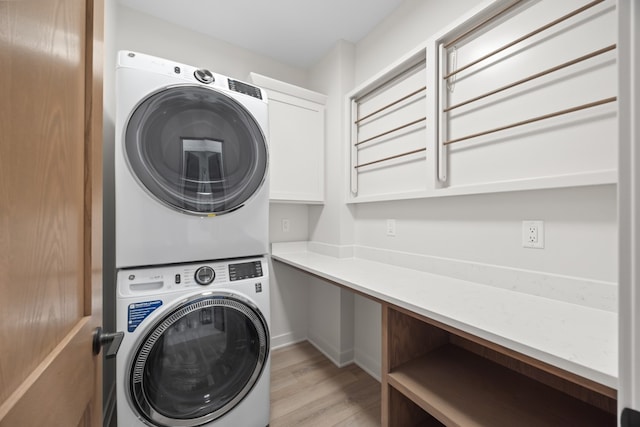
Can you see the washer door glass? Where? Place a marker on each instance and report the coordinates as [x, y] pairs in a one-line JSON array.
[[196, 149], [199, 361]]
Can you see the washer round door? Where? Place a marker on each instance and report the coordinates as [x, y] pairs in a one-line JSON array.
[[196, 149], [198, 361]]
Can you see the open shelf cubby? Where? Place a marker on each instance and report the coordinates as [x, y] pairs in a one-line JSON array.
[[435, 375]]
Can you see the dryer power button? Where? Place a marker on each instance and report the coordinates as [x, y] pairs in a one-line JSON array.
[[205, 275], [204, 76]]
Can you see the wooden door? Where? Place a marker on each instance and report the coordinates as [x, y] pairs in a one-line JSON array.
[[50, 212]]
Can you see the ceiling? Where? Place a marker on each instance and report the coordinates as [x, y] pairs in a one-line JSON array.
[[295, 32]]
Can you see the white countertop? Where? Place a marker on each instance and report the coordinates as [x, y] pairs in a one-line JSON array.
[[578, 339]]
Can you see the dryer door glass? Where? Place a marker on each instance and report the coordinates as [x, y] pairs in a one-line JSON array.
[[199, 361], [196, 149]]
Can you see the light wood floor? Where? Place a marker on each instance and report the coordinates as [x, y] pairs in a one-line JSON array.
[[309, 390]]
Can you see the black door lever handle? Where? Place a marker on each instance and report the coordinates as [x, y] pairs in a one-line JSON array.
[[110, 339]]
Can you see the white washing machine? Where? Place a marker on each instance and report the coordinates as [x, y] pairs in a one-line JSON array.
[[191, 163], [196, 344]]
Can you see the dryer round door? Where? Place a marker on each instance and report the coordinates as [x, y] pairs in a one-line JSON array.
[[196, 149], [198, 361]]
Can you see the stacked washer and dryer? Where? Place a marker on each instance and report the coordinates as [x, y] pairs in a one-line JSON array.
[[191, 193]]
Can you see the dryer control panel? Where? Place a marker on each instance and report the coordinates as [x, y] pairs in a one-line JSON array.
[[247, 89], [245, 270], [187, 73]]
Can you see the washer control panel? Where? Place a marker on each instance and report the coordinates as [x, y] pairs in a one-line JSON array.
[[245, 270], [170, 278]]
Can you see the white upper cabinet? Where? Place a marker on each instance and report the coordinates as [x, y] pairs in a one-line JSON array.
[[296, 141]]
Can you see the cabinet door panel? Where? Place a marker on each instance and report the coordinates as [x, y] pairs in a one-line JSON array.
[[297, 151], [296, 141]]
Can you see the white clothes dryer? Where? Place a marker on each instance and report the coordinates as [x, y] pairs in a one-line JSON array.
[[191, 164], [196, 345]]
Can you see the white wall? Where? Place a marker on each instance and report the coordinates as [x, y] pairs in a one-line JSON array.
[[413, 22], [367, 349], [580, 229], [289, 305], [580, 223], [289, 287], [331, 315], [146, 34], [333, 222], [298, 216]]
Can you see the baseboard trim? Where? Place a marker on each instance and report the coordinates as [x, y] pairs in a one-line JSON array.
[[284, 340], [340, 359], [368, 364]]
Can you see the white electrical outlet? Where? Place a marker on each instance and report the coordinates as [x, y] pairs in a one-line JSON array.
[[391, 227], [533, 234], [286, 225]]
